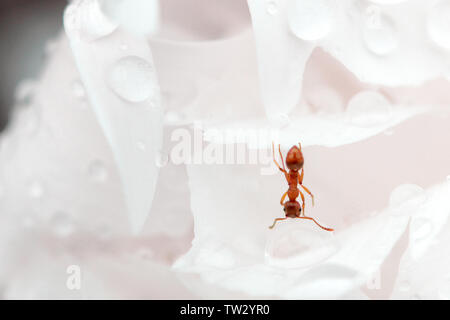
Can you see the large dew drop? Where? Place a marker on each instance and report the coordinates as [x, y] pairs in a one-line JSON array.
[[132, 79], [310, 19], [439, 23], [297, 243], [406, 196], [369, 108], [379, 32]]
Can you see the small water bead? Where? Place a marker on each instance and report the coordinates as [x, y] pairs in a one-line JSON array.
[[78, 90], [123, 47], [410, 195], [132, 78], [141, 145], [421, 228], [36, 190], [448, 177], [97, 171], [405, 286], [444, 290], [137, 16], [368, 108], [272, 7], [280, 120], [310, 19], [145, 254], [25, 90], [438, 23], [388, 132], [86, 20], [162, 159], [62, 224], [379, 32]]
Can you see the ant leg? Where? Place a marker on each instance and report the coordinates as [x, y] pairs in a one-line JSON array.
[[303, 201], [300, 181], [309, 218], [281, 155], [273, 154], [275, 221], [282, 198], [309, 192]]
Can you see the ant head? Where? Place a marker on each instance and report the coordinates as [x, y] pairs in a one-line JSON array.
[[294, 159]]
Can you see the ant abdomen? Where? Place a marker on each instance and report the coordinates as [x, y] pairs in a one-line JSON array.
[[292, 209]]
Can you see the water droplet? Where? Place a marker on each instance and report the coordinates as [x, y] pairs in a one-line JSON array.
[[86, 20], [132, 79], [138, 16], [409, 195], [368, 108], [280, 120], [444, 291], [97, 171], [145, 254], [123, 47], [379, 32], [78, 90], [62, 224], [438, 23], [448, 177], [404, 286], [272, 7], [298, 243], [421, 228], [173, 117], [36, 190], [25, 90], [388, 132], [162, 159], [310, 19], [141, 145]]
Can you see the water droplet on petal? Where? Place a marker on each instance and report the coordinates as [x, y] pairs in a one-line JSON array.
[[86, 20], [25, 90], [368, 108], [140, 145], [379, 32], [280, 120], [97, 171], [62, 224], [272, 7], [78, 90], [420, 228], [438, 23], [145, 254], [448, 177], [36, 190], [444, 290], [406, 195], [298, 244], [310, 19], [162, 159], [132, 79], [404, 286]]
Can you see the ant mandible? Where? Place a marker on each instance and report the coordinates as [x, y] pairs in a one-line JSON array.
[[294, 162]]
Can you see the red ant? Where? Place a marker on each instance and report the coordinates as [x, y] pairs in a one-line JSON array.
[[294, 162]]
